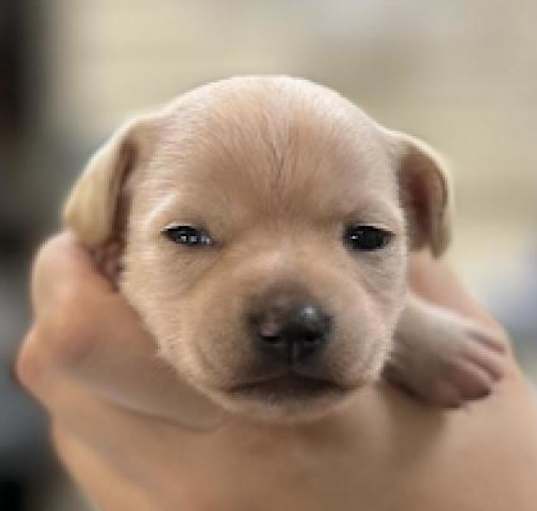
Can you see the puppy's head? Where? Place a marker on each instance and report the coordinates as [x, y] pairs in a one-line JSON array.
[[265, 223]]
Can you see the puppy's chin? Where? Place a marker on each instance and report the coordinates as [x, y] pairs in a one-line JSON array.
[[292, 396], [285, 400]]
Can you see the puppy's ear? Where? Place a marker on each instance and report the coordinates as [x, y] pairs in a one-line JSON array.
[[425, 192], [95, 209]]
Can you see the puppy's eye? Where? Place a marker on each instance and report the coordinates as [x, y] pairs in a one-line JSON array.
[[187, 235], [366, 237]]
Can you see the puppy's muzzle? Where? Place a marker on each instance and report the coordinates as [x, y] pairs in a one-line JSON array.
[[290, 330]]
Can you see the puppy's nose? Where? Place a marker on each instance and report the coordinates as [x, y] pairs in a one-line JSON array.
[[293, 334]]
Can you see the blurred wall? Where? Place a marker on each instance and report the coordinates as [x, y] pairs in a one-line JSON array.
[[461, 74]]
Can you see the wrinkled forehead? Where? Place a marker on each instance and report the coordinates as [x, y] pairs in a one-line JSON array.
[[273, 153]]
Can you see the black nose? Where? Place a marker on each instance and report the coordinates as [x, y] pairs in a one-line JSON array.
[[291, 334]]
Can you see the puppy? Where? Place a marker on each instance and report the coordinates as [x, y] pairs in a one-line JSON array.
[[261, 227]]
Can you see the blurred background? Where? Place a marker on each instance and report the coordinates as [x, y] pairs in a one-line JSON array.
[[462, 75]]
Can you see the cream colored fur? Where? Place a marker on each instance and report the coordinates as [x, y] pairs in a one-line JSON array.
[[274, 168]]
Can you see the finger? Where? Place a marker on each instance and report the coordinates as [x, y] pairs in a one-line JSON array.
[[64, 269], [90, 333], [110, 431], [106, 484], [91, 434], [119, 361], [134, 379]]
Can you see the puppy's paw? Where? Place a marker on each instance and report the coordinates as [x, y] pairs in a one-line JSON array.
[[447, 360]]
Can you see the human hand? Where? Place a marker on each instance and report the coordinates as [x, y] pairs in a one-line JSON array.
[[91, 364], [121, 419]]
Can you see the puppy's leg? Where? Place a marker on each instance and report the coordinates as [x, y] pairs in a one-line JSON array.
[[443, 357]]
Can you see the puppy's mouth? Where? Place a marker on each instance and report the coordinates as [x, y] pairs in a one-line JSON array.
[[290, 386]]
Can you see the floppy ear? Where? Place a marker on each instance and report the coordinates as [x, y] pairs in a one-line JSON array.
[[95, 209], [425, 193]]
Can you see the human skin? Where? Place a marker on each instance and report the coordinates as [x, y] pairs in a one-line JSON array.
[[134, 437]]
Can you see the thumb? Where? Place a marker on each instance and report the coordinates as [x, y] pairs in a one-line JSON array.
[[64, 269]]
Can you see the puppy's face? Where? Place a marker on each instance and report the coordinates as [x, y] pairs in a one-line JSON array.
[[266, 225]]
